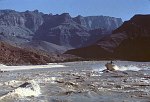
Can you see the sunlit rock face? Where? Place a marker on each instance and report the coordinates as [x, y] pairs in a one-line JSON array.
[[96, 22], [129, 42], [28, 19], [108, 23], [19, 27]]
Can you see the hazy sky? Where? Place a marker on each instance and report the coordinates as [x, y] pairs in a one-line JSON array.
[[124, 9]]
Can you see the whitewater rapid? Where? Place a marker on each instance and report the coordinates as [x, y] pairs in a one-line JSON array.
[[76, 82], [27, 89]]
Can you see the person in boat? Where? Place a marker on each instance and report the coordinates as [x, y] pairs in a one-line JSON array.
[[111, 62], [111, 66]]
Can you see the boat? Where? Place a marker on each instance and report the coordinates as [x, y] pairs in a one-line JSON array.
[[111, 66]]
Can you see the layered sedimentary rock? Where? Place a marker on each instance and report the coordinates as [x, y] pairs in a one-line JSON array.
[[96, 22], [19, 28]]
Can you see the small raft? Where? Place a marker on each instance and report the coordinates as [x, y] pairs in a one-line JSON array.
[[111, 67]]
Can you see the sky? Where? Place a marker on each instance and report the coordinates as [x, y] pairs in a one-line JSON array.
[[124, 9]]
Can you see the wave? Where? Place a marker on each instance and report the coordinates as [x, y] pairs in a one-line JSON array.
[[27, 89], [119, 68], [130, 67]]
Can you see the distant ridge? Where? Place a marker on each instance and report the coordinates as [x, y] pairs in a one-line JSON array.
[[21, 28], [32, 37], [129, 42]]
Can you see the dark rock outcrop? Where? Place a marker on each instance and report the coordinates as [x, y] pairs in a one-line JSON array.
[[128, 42]]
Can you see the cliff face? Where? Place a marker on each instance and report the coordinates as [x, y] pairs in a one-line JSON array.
[[128, 42], [27, 19], [96, 22], [62, 30], [108, 23], [21, 28], [75, 32]]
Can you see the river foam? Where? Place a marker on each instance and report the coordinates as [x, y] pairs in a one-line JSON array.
[[27, 89]]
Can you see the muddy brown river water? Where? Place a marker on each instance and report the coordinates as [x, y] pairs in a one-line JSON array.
[[78, 82]]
